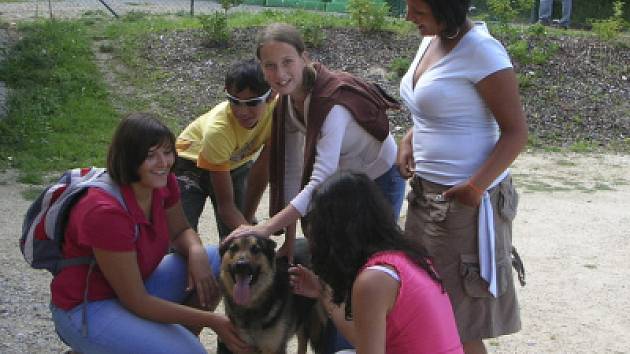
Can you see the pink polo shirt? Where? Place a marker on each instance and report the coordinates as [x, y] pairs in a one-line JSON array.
[[99, 221], [421, 320]]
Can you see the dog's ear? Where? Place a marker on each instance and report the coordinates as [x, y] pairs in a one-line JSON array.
[[268, 247], [224, 247]]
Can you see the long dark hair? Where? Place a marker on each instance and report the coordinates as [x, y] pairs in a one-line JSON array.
[[350, 221]]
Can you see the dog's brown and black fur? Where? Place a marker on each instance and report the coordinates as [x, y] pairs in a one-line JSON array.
[[259, 302]]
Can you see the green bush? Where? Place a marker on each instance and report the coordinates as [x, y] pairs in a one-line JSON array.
[[368, 15], [582, 11], [216, 30], [399, 66], [521, 51], [313, 35], [506, 11], [610, 28], [227, 4], [536, 30]]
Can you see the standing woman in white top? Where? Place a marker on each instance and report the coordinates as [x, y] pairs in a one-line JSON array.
[[468, 127]]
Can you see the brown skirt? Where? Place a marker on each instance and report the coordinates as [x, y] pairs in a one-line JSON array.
[[448, 229]]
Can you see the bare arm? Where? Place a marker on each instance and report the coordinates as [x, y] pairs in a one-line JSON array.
[[404, 159], [373, 296], [224, 193], [187, 243], [500, 93], [282, 219], [256, 183]]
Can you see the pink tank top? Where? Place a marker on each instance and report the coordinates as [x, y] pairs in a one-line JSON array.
[[421, 320]]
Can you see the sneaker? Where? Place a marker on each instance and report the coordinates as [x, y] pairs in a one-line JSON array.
[[557, 23]]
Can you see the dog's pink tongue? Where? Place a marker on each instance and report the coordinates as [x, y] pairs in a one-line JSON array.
[[241, 290]]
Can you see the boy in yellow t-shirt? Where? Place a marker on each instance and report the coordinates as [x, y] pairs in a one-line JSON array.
[[223, 155]]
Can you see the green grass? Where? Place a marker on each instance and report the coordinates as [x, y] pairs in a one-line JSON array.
[[59, 115]]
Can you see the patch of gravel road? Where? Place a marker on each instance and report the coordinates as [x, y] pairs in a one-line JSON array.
[[571, 230]]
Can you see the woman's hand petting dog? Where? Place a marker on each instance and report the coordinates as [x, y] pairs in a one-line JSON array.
[[228, 334], [304, 282], [245, 230]]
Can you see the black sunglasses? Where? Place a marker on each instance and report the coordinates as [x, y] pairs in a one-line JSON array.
[[252, 102]]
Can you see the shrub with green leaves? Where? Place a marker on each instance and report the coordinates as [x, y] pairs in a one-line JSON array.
[[312, 34], [610, 28], [227, 4], [368, 15], [399, 66], [506, 11], [521, 51], [536, 30], [216, 29]]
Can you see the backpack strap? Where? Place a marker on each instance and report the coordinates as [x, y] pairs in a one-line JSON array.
[[104, 182], [96, 178], [68, 262]]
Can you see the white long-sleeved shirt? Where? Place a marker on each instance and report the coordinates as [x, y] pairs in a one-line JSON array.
[[342, 144]]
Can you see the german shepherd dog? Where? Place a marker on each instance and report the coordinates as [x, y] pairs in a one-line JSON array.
[[259, 301]]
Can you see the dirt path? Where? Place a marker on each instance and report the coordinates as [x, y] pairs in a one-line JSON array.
[[572, 232]]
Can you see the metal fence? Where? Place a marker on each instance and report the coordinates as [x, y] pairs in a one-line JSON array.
[[17, 10], [33, 9]]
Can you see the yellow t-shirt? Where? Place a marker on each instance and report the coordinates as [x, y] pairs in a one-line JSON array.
[[218, 143]]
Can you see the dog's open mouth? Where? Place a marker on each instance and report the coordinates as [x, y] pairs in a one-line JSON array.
[[244, 276]]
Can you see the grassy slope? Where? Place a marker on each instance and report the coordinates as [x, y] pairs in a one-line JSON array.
[[59, 114], [60, 111]]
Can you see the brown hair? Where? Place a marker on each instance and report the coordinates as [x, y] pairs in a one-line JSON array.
[[285, 33], [135, 135]]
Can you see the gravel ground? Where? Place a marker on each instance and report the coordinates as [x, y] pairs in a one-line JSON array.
[[571, 232], [15, 11]]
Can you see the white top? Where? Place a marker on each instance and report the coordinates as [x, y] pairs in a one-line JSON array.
[[342, 145], [453, 131]]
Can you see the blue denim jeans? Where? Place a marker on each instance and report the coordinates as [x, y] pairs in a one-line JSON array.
[[392, 185], [195, 187], [112, 329], [546, 8]]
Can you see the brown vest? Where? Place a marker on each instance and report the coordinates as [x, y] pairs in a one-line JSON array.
[[367, 102]]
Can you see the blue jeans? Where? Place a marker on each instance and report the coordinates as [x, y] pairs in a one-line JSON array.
[[114, 329], [392, 185], [546, 8]]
